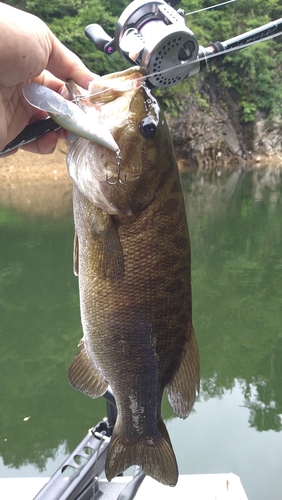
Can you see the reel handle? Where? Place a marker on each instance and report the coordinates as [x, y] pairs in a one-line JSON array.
[[100, 38]]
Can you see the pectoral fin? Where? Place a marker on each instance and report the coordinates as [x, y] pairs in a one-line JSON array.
[[84, 377], [183, 388], [113, 255], [110, 252]]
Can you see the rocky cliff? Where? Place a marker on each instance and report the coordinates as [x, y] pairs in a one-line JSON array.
[[210, 131]]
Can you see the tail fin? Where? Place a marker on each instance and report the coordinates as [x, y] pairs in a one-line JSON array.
[[154, 454]]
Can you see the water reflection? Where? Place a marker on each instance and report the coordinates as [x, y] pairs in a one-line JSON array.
[[39, 331], [236, 235], [235, 224]]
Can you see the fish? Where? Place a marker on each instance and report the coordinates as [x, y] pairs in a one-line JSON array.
[[132, 259]]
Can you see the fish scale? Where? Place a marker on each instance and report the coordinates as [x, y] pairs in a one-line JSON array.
[[133, 262]]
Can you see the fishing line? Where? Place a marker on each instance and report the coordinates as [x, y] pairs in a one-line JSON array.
[[204, 54], [217, 54], [163, 71], [204, 58], [211, 7]]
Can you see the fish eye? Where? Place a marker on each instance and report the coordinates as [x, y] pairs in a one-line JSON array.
[[148, 127]]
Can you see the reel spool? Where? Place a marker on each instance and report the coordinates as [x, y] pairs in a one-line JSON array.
[[153, 35]]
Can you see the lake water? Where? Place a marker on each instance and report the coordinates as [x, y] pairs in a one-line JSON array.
[[235, 222]]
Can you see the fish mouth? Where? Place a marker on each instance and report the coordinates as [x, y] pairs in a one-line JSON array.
[[109, 98], [107, 88], [97, 171]]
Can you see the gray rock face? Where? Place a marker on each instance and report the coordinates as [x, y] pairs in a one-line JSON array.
[[204, 137], [215, 134], [268, 135]]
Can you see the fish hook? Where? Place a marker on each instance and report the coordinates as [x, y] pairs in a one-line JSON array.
[[118, 179]]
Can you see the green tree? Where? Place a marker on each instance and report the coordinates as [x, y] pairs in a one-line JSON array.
[[254, 73]]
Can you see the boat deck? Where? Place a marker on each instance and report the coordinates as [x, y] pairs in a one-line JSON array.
[[192, 487]]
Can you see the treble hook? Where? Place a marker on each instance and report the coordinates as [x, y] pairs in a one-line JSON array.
[[118, 179]]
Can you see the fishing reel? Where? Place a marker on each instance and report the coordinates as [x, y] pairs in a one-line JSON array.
[[153, 35]]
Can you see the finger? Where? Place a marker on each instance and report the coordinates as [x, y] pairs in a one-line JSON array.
[[48, 80], [45, 145], [64, 64], [10, 153]]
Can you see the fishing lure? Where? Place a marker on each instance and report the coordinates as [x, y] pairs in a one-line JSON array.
[[63, 113], [68, 115], [161, 44]]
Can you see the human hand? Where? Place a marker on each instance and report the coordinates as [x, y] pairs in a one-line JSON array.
[[29, 51]]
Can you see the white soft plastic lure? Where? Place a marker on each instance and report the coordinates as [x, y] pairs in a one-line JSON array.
[[68, 115]]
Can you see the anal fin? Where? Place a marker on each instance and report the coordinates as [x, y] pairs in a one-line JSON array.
[[185, 385], [84, 377]]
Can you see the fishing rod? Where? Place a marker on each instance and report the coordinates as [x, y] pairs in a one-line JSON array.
[[153, 35]]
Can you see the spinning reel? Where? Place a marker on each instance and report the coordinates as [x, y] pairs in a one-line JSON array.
[[153, 35]]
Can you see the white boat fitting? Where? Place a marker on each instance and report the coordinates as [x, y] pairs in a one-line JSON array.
[[193, 487]]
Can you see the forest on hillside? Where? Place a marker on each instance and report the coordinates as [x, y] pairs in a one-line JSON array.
[[253, 73]]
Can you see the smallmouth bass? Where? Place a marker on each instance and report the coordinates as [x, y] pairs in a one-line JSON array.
[[132, 258]]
